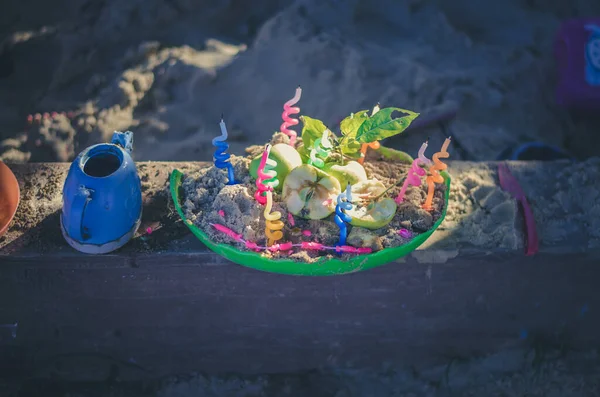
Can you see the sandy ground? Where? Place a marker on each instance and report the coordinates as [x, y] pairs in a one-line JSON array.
[[168, 69]]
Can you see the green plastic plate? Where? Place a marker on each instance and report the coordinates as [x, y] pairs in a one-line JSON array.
[[324, 267]]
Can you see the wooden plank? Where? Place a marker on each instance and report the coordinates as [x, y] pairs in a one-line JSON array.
[[151, 315]]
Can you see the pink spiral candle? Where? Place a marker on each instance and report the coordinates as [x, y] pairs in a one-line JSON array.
[[287, 120], [414, 173], [261, 187]]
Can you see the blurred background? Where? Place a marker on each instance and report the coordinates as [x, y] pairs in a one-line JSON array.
[[167, 69]]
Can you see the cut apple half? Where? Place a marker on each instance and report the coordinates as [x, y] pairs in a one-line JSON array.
[[374, 215], [368, 213], [310, 193], [352, 172]]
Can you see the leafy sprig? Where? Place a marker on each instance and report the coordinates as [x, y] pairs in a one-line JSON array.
[[357, 129], [383, 125]]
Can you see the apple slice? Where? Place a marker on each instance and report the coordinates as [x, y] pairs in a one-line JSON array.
[[352, 173], [310, 193], [371, 214], [375, 215], [371, 187], [287, 159]]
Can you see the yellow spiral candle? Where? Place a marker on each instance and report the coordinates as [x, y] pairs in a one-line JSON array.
[[435, 176], [273, 222]]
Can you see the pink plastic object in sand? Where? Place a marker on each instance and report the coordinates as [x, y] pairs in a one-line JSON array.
[[577, 52], [227, 231], [510, 184]]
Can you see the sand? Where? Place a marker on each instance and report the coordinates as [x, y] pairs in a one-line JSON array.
[[167, 70]]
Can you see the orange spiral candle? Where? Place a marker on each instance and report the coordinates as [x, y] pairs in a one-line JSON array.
[[435, 176], [273, 222], [363, 150]]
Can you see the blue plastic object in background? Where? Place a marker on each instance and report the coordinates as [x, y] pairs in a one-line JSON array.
[[102, 197], [592, 55]]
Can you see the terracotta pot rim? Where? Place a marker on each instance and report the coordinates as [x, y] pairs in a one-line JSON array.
[[9, 190]]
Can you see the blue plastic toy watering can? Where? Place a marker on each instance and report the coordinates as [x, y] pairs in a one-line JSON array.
[[102, 197]]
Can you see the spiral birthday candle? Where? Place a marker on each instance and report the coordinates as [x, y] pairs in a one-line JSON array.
[[414, 173], [287, 120], [269, 172], [435, 176], [221, 158], [344, 203], [261, 186], [363, 150], [321, 148], [421, 156], [412, 178], [273, 222]]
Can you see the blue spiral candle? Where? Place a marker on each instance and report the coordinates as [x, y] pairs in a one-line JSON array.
[[344, 203], [221, 158]]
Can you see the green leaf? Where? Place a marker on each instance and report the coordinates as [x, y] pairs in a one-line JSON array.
[[394, 155], [351, 146], [382, 125], [354, 155], [304, 154], [312, 129], [350, 125]]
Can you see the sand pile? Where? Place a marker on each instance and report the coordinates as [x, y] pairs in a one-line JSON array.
[[167, 70]]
